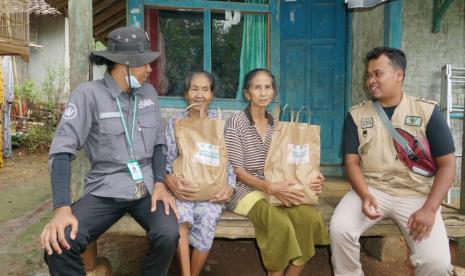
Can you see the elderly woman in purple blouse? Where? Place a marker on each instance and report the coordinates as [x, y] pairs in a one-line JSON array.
[[198, 219]]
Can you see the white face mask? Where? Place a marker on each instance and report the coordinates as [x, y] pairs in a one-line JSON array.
[[134, 82]]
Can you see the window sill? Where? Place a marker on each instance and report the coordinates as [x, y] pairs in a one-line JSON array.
[[233, 104]]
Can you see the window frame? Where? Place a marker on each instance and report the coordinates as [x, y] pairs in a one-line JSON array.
[[135, 17]]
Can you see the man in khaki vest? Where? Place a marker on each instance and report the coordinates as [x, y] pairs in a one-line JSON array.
[[383, 186]]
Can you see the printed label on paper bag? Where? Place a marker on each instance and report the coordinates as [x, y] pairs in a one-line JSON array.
[[207, 154], [297, 154]]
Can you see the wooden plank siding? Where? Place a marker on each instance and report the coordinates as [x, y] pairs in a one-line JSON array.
[[107, 15], [14, 28]]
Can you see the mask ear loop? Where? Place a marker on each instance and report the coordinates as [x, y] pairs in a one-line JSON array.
[[129, 83]]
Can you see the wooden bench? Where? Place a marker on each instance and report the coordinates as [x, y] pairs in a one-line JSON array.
[[233, 226]]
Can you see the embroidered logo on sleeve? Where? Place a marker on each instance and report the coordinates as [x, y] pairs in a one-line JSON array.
[[207, 154], [70, 111], [145, 102], [297, 154], [367, 122], [413, 121]]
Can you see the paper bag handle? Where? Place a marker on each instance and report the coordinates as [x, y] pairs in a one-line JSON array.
[[202, 109], [286, 106], [202, 112], [220, 115], [306, 110]]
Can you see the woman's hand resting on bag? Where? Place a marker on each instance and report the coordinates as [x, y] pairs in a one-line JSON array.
[[223, 195], [317, 184], [283, 191], [180, 188]]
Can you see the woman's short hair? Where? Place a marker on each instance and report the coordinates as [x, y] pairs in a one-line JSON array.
[[190, 76], [251, 74]]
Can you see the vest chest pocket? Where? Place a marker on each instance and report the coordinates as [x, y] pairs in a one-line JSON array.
[[371, 151], [112, 144], [366, 142], [148, 124]]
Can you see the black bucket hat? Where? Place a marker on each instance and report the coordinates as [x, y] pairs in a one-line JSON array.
[[128, 46]]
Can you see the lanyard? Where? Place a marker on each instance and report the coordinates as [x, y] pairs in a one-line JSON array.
[[129, 140]]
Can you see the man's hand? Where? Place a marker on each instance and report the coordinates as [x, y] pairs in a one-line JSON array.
[[316, 185], [223, 195], [53, 234], [357, 180], [180, 188], [421, 223], [283, 191], [161, 193], [370, 207]]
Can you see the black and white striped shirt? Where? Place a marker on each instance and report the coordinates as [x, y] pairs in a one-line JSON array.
[[246, 149]]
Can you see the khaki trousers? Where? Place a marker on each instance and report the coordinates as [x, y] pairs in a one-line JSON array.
[[429, 257]]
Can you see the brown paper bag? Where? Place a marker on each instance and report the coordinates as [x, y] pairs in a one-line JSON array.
[[202, 157], [294, 154]]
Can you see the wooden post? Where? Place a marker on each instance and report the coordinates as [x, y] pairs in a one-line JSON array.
[[81, 41], [80, 46], [21, 119]]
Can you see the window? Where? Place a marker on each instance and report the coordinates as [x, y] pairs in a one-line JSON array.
[[179, 39], [226, 55], [204, 35]]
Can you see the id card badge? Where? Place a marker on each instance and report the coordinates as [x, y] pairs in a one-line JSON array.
[[135, 171]]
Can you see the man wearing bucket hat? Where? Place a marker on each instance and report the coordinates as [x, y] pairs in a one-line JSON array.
[[384, 184], [117, 122]]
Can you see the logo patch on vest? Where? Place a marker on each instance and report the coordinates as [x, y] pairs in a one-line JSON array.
[[145, 102], [70, 111], [367, 122], [413, 121]]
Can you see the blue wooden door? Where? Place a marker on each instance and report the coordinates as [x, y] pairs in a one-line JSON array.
[[313, 56]]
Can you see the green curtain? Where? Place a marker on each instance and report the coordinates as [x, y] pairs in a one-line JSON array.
[[253, 51]]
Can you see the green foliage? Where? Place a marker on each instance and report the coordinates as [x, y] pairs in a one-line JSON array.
[[183, 37], [17, 139], [99, 46], [28, 92], [53, 86], [38, 137]]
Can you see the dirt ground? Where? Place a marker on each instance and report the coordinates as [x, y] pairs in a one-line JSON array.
[[26, 205], [238, 257]]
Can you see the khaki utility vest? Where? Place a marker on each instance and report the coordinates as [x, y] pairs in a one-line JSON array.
[[381, 167]]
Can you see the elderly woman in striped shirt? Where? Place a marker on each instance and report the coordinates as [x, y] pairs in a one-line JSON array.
[[286, 235]]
